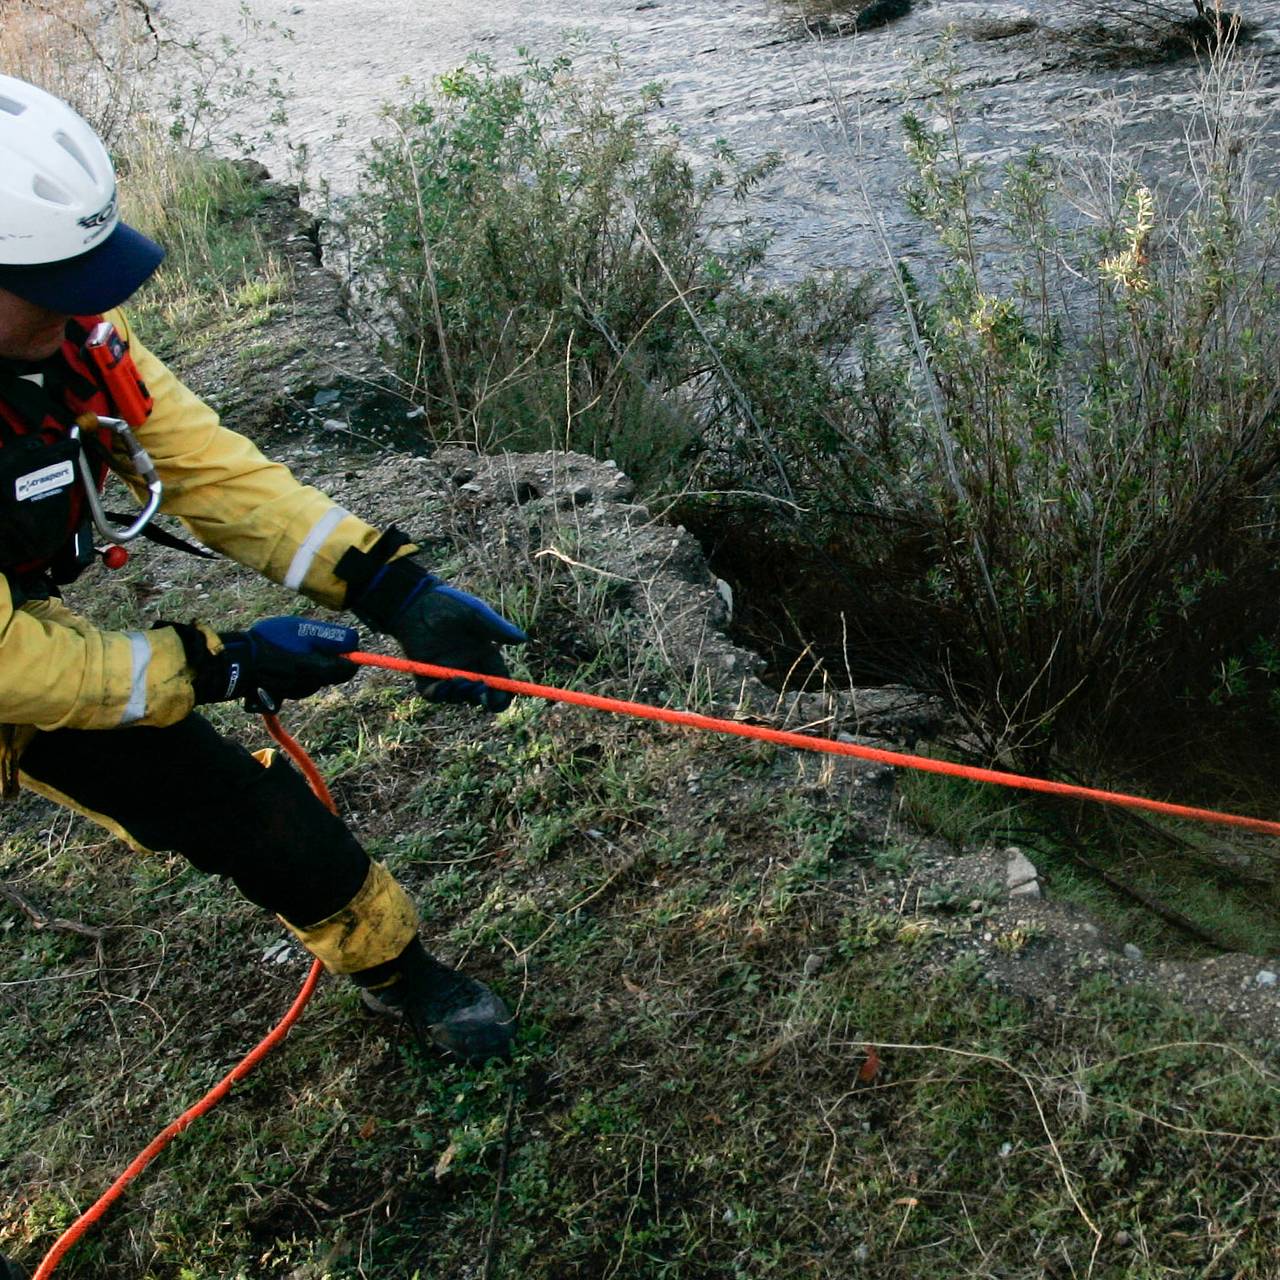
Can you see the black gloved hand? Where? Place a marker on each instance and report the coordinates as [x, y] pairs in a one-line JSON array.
[[437, 623], [276, 658]]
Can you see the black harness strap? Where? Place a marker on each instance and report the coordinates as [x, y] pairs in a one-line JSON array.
[[163, 538], [36, 403], [32, 401]]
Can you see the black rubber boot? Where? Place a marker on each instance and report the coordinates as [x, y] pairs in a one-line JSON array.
[[441, 1005], [10, 1270]]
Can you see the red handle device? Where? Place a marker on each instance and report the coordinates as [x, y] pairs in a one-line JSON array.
[[109, 354]]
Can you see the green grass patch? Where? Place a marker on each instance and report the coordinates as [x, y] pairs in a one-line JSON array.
[[218, 273], [686, 1099]]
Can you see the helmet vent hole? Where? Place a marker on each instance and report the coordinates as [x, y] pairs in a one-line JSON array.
[[13, 107], [50, 191], [69, 146]]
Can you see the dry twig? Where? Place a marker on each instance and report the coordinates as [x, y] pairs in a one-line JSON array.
[[43, 920]]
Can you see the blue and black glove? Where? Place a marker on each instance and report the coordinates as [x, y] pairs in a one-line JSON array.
[[433, 621], [275, 659]]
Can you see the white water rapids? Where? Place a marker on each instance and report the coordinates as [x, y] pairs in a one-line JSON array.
[[732, 68]]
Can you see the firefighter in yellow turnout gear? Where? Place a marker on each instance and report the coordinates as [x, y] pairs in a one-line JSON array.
[[66, 263]]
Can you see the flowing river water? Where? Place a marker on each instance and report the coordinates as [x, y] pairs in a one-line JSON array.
[[742, 70]]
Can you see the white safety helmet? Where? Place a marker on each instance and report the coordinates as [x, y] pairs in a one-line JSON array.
[[62, 244]]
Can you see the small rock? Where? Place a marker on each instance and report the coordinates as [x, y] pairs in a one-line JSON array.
[[725, 592], [333, 424], [1265, 978], [813, 962], [322, 398], [1131, 952], [415, 413], [1020, 874], [1122, 1238]]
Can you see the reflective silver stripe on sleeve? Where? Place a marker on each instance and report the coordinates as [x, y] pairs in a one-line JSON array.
[[306, 554], [140, 654]]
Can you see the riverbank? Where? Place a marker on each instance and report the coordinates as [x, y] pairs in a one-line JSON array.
[[769, 1027]]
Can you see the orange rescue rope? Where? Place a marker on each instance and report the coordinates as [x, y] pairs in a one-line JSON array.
[[618, 706], [215, 1095], [828, 746]]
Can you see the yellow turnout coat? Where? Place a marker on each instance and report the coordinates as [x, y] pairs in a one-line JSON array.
[[57, 670]]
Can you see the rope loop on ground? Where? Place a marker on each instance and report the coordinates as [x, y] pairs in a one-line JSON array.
[[99, 1208]]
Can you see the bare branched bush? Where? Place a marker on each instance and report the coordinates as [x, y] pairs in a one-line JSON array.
[[1097, 428], [88, 52]]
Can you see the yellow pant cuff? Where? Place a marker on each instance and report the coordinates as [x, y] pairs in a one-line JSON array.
[[374, 927]]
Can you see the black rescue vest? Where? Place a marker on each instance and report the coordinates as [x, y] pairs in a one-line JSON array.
[[45, 530]]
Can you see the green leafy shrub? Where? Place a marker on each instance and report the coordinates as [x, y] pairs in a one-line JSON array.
[[1094, 436], [548, 269]]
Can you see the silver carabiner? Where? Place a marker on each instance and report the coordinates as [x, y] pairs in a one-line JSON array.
[[143, 467]]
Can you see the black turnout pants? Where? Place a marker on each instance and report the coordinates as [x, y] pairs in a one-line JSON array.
[[187, 789]]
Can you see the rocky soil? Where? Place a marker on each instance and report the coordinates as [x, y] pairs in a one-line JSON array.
[[534, 505]]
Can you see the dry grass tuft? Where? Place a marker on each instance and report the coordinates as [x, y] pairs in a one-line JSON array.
[[86, 51]]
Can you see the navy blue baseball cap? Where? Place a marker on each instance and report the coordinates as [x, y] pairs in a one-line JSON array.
[[92, 282]]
